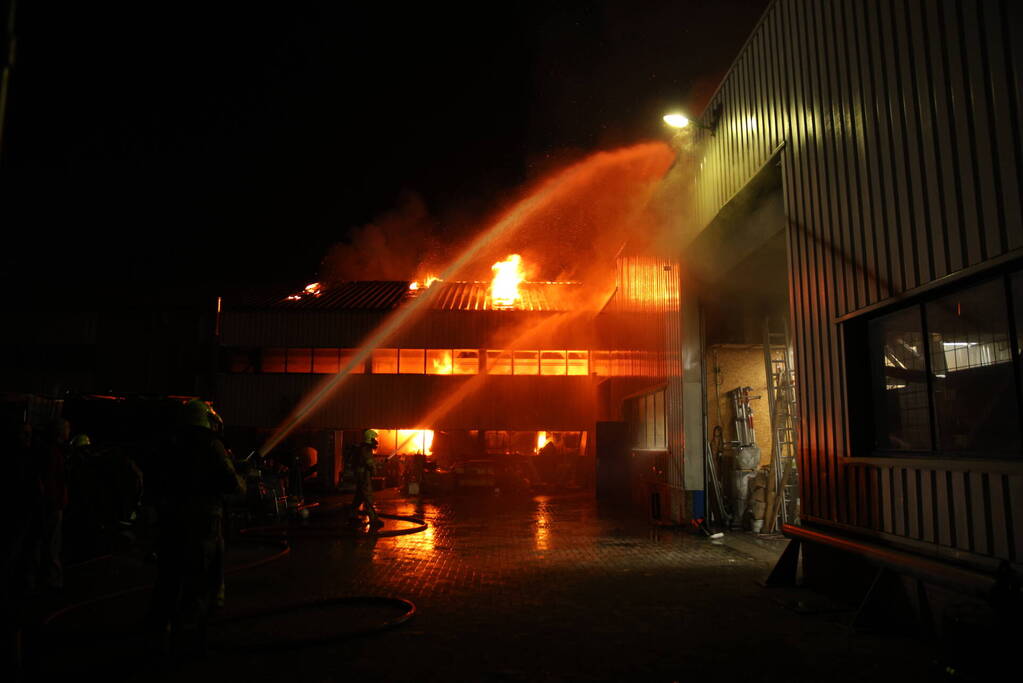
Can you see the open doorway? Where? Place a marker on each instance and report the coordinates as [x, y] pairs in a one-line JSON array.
[[749, 383]]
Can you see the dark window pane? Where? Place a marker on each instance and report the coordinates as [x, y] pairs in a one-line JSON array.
[[971, 363], [325, 361], [273, 360], [899, 382], [300, 360]]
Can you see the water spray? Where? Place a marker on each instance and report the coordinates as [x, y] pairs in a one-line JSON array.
[[512, 219]]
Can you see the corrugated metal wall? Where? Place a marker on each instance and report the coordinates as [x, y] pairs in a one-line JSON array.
[[407, 401], [644, 313], [902, 164], [432, 329]]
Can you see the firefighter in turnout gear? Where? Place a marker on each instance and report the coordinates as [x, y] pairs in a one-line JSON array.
[[195, 473], [364, 468]]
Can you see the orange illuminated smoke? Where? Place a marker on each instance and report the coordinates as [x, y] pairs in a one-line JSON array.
[[633, 172], [504, 288]]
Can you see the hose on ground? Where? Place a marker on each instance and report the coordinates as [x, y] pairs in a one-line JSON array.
[[281, 534]]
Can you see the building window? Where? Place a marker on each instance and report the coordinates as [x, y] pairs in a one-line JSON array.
[[466, 362], [943, 375], [438, 362], [901, 412], [646, 417], [385, 361], [553, 363], [578, 363], [242, 360], [300, 360], [346, 358], [273, 360], [499, 362], [526, 362], [411, 361], [325, 361], [974, 388], [419, 361]]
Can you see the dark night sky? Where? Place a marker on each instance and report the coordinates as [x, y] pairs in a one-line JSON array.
[[173, 142]]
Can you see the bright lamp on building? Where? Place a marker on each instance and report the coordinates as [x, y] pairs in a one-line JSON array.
[[676, 120]]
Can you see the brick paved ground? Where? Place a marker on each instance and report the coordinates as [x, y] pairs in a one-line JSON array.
[[508, 589]]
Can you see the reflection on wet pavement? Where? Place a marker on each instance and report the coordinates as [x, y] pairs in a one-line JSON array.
[[539, 587]]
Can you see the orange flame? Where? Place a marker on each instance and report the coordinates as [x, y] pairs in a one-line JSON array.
[[416, 285], [409, 441], [541, 441], [441, 363], [312, 289], [504, 288]]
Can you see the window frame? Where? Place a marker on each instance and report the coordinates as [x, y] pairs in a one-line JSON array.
[[858, 365]]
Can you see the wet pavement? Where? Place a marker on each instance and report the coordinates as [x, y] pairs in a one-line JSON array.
[[507, 588]]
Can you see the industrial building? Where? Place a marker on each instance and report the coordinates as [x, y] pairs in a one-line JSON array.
[[843, 293], [868, 155], [469, 379]]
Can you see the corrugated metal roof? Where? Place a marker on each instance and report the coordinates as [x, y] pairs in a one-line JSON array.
[[475, 296], [383, 295], [361, 295]]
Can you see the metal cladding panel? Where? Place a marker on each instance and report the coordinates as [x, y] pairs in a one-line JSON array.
[[301, 328], [499, 329], [429, 329], [902, 164], [644, 313], [410, 401]]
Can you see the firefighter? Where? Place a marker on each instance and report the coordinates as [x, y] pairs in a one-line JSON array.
[[195, 473], [364, 468]]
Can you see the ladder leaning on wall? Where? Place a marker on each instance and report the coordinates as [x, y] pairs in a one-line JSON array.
[[781, 395]]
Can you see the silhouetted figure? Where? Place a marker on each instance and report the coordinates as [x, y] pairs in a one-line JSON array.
[[44, 558], [194, 475], [364, 468], [24, 495]]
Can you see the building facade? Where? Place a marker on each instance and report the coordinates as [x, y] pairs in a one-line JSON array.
[[890, 133]]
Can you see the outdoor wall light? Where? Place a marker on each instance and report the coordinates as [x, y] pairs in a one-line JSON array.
[[677, 120]]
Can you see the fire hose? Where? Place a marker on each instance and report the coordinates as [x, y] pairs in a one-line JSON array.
[[281, 534]]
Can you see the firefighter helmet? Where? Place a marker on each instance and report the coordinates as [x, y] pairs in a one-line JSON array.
[[197, 414], [370, 435], [81, 441]]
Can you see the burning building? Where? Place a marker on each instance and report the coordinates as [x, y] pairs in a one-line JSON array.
[[489, 368]]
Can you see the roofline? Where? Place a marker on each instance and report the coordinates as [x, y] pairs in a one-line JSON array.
[[731, 67]]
